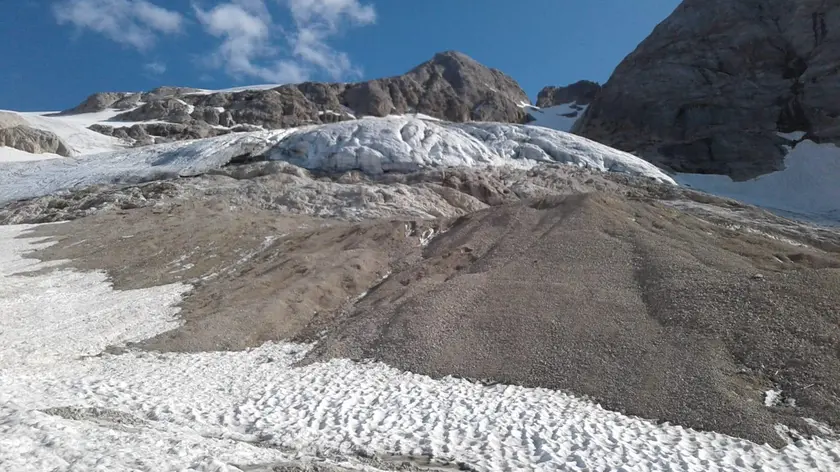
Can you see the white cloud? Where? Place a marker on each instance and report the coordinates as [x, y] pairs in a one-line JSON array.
[[249, 38], [330, 13], [136, 23], [155, 68], [245, 29]]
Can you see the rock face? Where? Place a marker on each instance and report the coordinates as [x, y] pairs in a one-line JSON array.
[[582, 93], [450, 86], [33, 140], [101, 101], [711, 87]]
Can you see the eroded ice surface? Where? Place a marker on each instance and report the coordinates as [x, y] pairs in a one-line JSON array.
[[372, 145]]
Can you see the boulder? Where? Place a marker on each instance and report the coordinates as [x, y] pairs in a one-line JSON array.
[[35, 141]]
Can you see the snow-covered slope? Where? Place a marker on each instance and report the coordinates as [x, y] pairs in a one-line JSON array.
[[8, 154], [808, 186], [67, 406], [237, 89], [560, 117], [72, 130], [372, 145]]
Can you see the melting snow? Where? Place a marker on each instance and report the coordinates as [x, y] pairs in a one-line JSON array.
[[231, 411]]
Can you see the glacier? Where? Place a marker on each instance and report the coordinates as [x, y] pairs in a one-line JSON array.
[[371, 145]]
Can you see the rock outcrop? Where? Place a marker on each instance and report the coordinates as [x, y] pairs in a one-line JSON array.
[[102, 101], [450, 86], [582, 93], [710, 89], [35, 141], [157, 133]]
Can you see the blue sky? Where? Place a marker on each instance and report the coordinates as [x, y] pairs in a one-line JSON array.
[[60, 51]]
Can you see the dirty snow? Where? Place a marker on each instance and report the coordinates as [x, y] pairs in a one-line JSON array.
[[233, 411], [807, 186], [372, 145]]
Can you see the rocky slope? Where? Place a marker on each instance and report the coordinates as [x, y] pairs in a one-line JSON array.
[[710, 89], [450, 86], [555, 276]]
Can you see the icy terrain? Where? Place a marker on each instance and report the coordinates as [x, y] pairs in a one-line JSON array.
[[560, 117], [372, 145], [808, 186], [8, 154], [243, 88], [229, 411], [72, 130]]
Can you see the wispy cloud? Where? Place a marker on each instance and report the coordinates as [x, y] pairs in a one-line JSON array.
[[251, 43], [250, 37], [155, 68], [136, 23], [316, 21], [245, 29]]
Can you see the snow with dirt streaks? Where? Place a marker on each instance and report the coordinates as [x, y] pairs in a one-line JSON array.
[[372, 145], [21, 180], [808, 186], [233, 411]]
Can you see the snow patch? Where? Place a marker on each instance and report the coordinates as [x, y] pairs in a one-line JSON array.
[[243, 88], [560, 117], [807, 186], [74, 313], [792, 136], [773, 398]]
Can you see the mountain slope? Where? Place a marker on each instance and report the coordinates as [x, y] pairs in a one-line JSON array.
[[710, 88]]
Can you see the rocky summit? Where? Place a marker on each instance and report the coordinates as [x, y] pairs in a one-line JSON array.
[[712, 87], [451, 86]]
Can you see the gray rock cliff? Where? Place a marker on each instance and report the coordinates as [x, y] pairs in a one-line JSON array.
[[711, 87], [582, 92]]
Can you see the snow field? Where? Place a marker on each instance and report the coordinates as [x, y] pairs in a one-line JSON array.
[[807, 186], [553, 117], [224, 411], [72, 130], [8, 154]]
